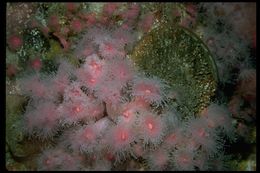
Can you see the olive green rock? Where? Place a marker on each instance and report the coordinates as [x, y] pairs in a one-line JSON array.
[[178, 56]]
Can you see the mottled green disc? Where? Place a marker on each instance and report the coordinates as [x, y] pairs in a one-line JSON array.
[[178, 56]]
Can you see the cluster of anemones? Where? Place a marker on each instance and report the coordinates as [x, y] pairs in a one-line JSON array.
[[104, 111]]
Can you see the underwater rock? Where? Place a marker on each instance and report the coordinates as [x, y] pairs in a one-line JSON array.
[[178, 56]]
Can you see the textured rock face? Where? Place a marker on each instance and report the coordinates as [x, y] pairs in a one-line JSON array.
[[18, 15]]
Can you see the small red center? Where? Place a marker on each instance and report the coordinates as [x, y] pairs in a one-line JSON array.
[[92, 80], [126, 114], [88, 135], [148, 91], [77, 109], [75, 92], [173, 137], [47, 161], [109, 47], [150, 126], [123, 136], [94, 65], [17, 41], [184, 159]]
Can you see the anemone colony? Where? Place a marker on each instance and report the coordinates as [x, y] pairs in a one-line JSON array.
[[103, 112]]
